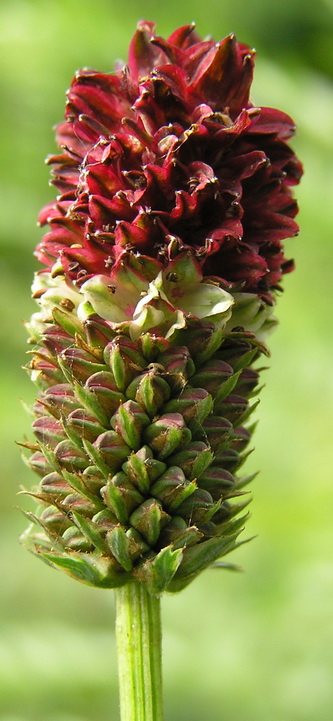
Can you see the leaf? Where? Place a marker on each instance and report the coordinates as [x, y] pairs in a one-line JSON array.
[[98, 572], [197, 558], [158, 573]]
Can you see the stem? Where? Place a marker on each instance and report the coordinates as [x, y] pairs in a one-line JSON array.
[[138, 632]]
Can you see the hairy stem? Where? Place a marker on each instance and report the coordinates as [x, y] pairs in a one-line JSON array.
[[138, 631]]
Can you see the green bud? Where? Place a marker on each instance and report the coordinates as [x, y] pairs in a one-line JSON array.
[[148, 519], [211, 375], [142, 469], [201, 339], [78, 483], [48, 430], [198, 557], [44, 370], [120, 545], [138, 546], [179, 534], [247, 382], [68, 321], [167, 434], [211, 346], [74, 540], [151, 345], [217, 482], [59, 400], [179, 365], [90, 531], [197, 506], [124, 359], [82, 504], [218, 430], [88, 399], [193, 404], [242, 437], [239, 350], [103, 386], [150, 390], [84, 424], [129, 422], [229, 459], [105, 520], [233, 406], [193, 460], [98, 332], [112, 450], [78, 364], [172, 488], [69, 456], [93, 479], [88, 568], [226, 388], [54, 484], [40, 464], [121, 496], [54, 519]]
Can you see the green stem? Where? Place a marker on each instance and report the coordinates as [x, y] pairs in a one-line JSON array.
[[138, 631]]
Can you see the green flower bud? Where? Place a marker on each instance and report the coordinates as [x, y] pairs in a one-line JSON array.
[[148, 519], [166, 434], [121, 496], [150, 389], [129, 422]]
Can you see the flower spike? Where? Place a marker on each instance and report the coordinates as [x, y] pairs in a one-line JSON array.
[[162, 260]]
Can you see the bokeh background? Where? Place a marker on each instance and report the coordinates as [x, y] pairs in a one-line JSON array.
[[254, 646]]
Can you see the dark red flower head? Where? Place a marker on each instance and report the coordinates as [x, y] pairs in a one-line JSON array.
[[169, 153]]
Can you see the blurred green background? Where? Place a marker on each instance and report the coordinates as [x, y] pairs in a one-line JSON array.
[[256, 646]]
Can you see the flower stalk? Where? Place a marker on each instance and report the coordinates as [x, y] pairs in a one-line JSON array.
[[138, 633]]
